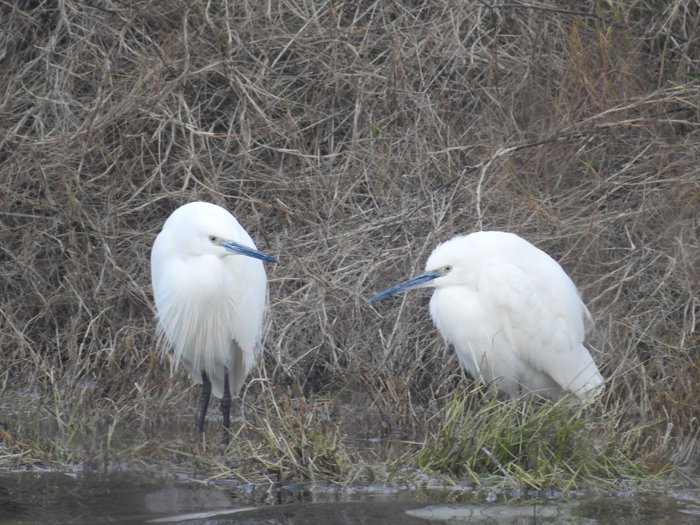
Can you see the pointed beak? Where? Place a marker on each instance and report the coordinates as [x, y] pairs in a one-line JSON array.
[[419, 281], [240, 249]]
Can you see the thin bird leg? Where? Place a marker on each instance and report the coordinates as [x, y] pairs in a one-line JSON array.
[[204, 401], [226, 403]]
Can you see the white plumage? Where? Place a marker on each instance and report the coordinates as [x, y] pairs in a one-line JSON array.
[[513, 315], [210, 292]]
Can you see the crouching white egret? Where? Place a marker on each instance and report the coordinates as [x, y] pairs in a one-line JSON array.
[[210, 291], [513, 315]]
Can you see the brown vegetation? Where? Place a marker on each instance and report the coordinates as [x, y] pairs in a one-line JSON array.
[[349, 138]]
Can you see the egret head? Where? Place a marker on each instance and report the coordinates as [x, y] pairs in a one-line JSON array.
[[201, 228], [446, 266]]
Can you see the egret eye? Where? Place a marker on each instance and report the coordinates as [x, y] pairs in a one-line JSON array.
[[213, 239], [447, 269]]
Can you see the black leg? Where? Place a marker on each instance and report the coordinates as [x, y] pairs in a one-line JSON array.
[[226, 403], [204, 401]]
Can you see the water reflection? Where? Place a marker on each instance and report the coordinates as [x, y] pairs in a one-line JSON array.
[[50, 497], [497, 514], [32, 498]]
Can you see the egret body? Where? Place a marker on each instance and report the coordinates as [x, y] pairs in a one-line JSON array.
[[512, 314], [210, 291]]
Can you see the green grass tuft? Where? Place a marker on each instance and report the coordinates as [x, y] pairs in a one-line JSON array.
[[529, 442]]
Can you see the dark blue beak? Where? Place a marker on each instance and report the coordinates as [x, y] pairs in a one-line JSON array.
[[414, 282], [240, 249]]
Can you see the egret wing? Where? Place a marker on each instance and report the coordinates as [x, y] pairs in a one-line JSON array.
[[543, 320]]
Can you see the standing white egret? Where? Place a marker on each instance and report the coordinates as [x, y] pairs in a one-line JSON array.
[[210, 291], [513, 315]]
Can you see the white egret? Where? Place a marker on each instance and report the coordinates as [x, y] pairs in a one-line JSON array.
[[513, 315], [210, 291]]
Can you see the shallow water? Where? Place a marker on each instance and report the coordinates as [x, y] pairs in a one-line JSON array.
[[55, 498]]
